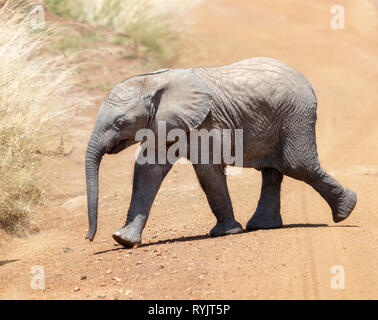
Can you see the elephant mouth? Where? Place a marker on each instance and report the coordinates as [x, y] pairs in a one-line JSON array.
[[123, 144]]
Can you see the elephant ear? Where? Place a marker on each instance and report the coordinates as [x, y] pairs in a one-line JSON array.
[[182, 101]]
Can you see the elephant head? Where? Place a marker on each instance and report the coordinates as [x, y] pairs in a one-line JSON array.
[[178, 97]]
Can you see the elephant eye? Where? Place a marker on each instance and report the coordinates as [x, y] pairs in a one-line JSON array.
[[120, 123]]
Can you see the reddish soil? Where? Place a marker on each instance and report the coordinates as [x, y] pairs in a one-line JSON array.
[[178, 260]]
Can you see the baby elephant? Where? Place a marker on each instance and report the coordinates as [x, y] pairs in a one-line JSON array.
[[271, 103]]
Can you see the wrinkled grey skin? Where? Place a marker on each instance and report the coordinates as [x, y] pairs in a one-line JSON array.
[[274, 105]]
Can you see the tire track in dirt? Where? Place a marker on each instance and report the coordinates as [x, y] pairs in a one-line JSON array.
[[310, 290]]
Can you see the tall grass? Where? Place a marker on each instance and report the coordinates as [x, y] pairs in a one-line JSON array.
[[150, 24], [35, 95]]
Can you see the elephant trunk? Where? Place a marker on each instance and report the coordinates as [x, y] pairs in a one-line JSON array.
[[94, 154]]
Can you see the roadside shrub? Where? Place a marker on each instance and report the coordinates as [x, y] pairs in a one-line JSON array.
[[150, 24], [36, 94]]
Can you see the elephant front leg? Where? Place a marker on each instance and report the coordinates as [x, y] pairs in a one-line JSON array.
[[267, 214], [147, 181], [213, 183]]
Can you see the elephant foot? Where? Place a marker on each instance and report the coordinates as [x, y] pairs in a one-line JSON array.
[[226, 227], [344, 206], [265, 219], [127, 237]]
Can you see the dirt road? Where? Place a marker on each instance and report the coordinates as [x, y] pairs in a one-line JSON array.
[[177, 259]]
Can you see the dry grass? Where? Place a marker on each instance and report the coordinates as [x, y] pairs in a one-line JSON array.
[[35, 96], [153, 25]]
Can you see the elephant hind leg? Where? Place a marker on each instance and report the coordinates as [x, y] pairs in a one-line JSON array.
[[213, 183], [300, 161], [267, 214], [340, 199]]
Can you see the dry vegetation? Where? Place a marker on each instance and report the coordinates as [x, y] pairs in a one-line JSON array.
[[35, 96], [152, 25]]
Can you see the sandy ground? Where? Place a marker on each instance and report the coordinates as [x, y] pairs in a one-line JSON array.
[[178, 260]]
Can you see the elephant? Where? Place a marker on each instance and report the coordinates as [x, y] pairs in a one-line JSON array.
[[272, 103]]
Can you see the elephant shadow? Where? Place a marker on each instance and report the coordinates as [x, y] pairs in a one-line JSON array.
[[206, 236], [4, 262]]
